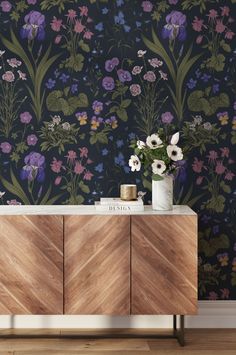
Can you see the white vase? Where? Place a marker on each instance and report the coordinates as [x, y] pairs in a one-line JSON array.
[[162, 194]]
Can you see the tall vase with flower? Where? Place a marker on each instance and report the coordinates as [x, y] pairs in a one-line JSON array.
[[161, 155]]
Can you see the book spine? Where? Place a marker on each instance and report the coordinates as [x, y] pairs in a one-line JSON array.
[[119, 208]]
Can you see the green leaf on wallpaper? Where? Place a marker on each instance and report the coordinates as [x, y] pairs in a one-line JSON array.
[[100, 137], [125, 103], [215, 62], [233, 138], [84, 46], [233, 274], [56, 102], [216, 204], [226, 188], [84, 188], [198, 101], [15, 188], [75, 63], [225, 46], [212, 245], [122, 114]]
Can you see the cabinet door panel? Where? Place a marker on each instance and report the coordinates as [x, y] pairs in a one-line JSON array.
[[164, 264], [97, 265], [31, 265]]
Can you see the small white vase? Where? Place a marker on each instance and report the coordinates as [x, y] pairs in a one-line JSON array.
[[162, 194]]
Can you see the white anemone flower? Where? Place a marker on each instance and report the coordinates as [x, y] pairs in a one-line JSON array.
[[154, 141], [141, 144], [158, 166], [174, 152], [134, 163], [174, 139]]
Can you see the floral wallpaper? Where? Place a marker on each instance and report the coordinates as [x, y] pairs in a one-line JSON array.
[[80, 80]]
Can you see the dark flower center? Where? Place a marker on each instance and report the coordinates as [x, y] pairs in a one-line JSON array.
[[159, 166], [154, 142], [174, 152]]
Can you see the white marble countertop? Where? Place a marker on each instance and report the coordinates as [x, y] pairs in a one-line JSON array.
[[85, 210]]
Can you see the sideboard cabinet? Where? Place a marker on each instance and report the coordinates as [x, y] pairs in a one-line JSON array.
[[71, 260]]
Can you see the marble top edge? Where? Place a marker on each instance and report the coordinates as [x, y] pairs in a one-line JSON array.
[[86, 210]]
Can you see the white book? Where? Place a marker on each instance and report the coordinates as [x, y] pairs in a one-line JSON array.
[[118, 208], [117, 201]]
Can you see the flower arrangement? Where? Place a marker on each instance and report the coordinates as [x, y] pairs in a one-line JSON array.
[[159, 152]]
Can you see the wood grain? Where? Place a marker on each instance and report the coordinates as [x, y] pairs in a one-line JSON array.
[[164, 265], [31, 265], [97, 265], [198, 342]]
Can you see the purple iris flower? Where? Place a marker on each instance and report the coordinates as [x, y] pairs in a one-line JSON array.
[[34, 168], [175, 26], [124, 75], [34, 26]]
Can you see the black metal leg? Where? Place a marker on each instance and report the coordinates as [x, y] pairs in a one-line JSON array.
[[179, 333]]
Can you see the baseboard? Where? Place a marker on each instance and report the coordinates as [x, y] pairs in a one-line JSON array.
[[212, 314]]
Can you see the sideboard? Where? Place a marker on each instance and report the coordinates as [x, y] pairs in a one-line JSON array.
[[73, 260]]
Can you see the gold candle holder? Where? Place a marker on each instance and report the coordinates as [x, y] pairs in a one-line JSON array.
[[128, 192]]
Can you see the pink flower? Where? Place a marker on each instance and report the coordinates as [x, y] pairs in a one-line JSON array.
[[22, 75], [6, 147], [229, 175], [14, 63], [57, 180], [56, 24], [224, 152], [71, 156], [8, 76], [212, 14], [13, 202], [137, 70], [224, 293], [135, 89], [32, 139], [6, 6], [220, 168], [225, 11], [83, 11], [78, 27], [56, 165], [199, 180], [71, 15], [199, 39], [147, 6], [212, 156], [58, 39], [163, 75], [88, 175], [197, 24], [83, 152], [229, 35], [150, 76], [213, 296], [155, 62], [220, 27], [25, 117], [197, 165], [79, 168], [88, 34]]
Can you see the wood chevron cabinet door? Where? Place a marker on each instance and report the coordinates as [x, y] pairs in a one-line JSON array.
[[97, 265], [31, 265], [164, 264]]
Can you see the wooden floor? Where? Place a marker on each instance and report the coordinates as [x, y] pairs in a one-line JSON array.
[[198, 342]]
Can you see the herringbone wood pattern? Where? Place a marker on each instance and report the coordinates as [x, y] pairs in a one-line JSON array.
[[164, 264], [97, 265], [31, 265]]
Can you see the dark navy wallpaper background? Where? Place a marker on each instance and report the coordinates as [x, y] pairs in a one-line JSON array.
[[79, 80]]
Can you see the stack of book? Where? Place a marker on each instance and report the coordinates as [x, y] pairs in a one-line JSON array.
[[115, 204]]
